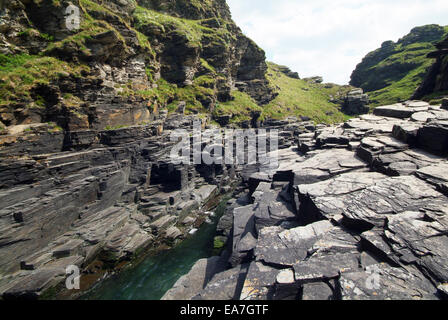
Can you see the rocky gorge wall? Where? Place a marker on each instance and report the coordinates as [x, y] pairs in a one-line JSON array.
[[96, 199], [126, 60], [85, 118]]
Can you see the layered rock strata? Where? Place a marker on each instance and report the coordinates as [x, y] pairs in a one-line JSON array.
[[95, 198]]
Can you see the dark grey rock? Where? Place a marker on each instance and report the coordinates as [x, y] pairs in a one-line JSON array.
[[433, 136], [317, 269], [195, 281], [243, 229], [445, 103], [356, 103], [259, 283], [286, 247]]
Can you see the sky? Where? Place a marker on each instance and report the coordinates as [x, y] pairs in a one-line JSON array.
[[330, 37]]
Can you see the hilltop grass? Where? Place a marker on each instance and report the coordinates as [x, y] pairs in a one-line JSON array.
[[300, 98]]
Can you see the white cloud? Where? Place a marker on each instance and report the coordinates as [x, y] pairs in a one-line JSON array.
[[330, 37]]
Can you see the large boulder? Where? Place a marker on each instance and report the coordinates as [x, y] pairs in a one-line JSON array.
[[433, 136], [356, 102], [195, 281]]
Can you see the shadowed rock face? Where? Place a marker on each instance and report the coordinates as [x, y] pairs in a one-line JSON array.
[[436, 80], [359, 214], [94, 196]]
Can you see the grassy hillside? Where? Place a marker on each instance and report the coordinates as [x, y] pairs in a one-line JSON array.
[[300, 98], [296, 97], [393, 72]]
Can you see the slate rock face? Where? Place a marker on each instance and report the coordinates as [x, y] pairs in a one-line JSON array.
[[197, 279], [110, 196], [436, 79], [444, 103]]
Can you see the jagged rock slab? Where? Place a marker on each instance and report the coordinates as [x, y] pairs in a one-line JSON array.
[[259, 283], [433, 136], [244, 239], [375, 241], [372, 125], [322, 165], [195, 281], [32, 286], [277, 246], [371, 147], [404, 163], [365, 199], [271, 209], [335, 241], [381, 282], [388, 196], [400, 111], [421, 238], [406, 132]]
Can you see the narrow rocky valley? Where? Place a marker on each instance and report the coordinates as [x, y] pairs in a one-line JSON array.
[[352, 206]]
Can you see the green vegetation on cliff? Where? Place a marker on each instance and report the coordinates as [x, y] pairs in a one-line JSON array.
[[300, 98], [296, 97], [393, 72], [20, 73]]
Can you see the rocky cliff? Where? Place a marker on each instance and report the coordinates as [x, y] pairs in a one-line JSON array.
[[126, 60], [392, 73], [85, 121]]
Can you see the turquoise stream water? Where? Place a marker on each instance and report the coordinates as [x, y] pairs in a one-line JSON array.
[[155, 275]]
